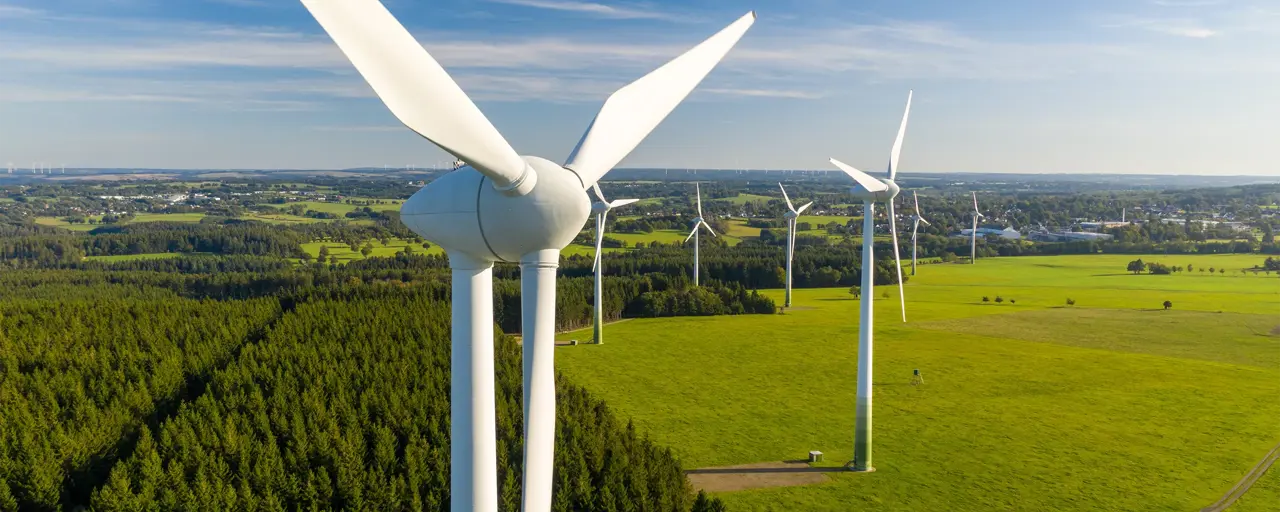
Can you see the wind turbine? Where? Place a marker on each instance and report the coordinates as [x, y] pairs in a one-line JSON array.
[[601, 209], [792, 214], [973, 250], [915, 227], [501, 206], [870, 191], [698, 222]]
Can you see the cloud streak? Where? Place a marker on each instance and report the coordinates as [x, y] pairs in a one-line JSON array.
[[593, 9]]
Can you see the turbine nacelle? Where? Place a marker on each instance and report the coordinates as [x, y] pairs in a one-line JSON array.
[[462, 211]]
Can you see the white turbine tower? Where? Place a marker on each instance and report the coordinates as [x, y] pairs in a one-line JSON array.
[[792, 214], [973, 248], [501, 206], [916, 220], [871, 191], [601, 209], [697, 223]]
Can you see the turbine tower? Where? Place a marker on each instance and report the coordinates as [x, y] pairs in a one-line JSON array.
[[792, 214], [697, 223], [916, 220], [601, 209], [501, 206], [871, 191], [973, 249]]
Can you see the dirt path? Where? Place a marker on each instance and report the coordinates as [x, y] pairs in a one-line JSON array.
[[760, 475], [1243, 485]]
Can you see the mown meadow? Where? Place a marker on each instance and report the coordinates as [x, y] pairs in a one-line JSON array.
[[1112, 403]]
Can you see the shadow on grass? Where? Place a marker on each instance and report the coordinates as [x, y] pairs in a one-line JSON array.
[[744, 471]]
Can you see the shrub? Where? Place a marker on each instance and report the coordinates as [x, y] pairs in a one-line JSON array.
[[1011, 301], [1071, 302], [986, 299], [1168, 304], [999, 299]]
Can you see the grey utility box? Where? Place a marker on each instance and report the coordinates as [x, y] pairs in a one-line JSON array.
[[815, 456]]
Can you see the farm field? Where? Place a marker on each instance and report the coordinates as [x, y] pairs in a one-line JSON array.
[[1110, 404], [344, 253], [139, 217]]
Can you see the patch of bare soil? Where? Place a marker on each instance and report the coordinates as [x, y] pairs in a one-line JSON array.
[[761, 475], [1276, 331]]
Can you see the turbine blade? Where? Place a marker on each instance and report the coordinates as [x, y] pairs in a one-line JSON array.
[[691, 233], [419, 92], [709, 230], [784, 196], [599, 194], [623, 202], [698, 192], [897, 261], [975, 203], [803, 208], [925, 221], [863, 179], [897, 143], [633, 111], [917, 201], [595, 267]]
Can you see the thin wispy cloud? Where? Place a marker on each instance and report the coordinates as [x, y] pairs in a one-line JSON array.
[[593, 9], [1173, 27]]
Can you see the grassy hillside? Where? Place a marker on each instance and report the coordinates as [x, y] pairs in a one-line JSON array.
[[1112, 404]]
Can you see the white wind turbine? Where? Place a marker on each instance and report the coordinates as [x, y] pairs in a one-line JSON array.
[[916, 220], [973, 236], [870, 191], [792, 214], [501, 206], [697, 223], [601, 209]]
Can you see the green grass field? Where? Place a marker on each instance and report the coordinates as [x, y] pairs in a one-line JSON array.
[[344, 253], [140, 217], [746, 198], [1112, 404]]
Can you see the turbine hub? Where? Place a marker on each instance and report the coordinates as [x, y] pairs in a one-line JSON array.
[[463, 212], [599, 207], [790, 215]]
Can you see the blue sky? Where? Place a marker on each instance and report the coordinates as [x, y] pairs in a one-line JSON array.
[[1114, 86]]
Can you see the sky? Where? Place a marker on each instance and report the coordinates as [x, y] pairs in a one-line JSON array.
[[1028, 86]]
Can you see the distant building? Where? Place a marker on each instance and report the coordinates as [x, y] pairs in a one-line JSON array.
[[1006, 233], [1070, 236]]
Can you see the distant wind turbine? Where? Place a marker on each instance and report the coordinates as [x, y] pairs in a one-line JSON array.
[[870, 191], [792, 215], [973, 254], [698, 222], [601, 209], [915, 227]]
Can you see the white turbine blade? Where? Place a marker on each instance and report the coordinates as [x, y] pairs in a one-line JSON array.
[[633, 111], [691, 233], [709, 230], [595, 267], [897, 261], [599, 194], [917, 201], [784, 196], [924, 221], [414, 87], [897, 143], [623, 202], [863, 179], [975, 203], [803, 208], [698, 192]]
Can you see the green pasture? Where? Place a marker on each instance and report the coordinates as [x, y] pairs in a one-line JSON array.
[[138, 217], [742, 198], [1111, 404], [344, 253]]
